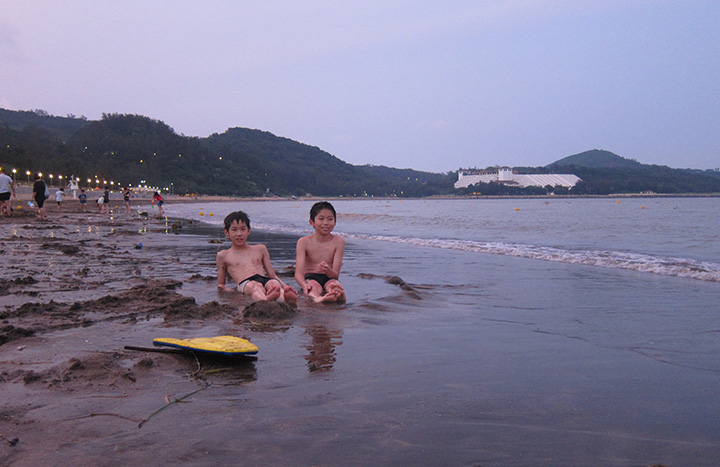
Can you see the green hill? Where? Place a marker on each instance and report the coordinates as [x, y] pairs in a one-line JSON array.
[[133, 149], [603, 172], [597, 158]]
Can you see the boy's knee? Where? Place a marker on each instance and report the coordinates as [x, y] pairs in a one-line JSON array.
[[252, 287]]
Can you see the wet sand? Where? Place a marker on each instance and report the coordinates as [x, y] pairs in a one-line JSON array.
[[73, 289], [79, 287]]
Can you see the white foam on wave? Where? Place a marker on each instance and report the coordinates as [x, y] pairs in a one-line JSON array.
[[680, 267]]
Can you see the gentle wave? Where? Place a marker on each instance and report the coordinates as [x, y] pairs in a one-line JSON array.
[[680, 267]]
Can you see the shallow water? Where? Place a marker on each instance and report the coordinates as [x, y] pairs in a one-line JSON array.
[[668, 236], [495, 359]]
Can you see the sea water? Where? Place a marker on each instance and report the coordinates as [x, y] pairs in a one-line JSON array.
[[552, 331], [670, 236]]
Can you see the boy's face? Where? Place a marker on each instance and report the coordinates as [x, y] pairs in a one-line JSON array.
[[324, 222], [238, 233]]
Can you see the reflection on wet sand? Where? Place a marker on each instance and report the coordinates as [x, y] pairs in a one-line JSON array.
[[321, 352]]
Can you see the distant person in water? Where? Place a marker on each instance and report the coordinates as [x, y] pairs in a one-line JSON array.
[[6, 185], [158, 201], [319, 257], [249, 265], [39, 190], [59, 198], [126, 198], [83, 200]]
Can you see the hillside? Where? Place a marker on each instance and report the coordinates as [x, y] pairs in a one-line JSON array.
[[597, 158], [605, 173], [133, 149]]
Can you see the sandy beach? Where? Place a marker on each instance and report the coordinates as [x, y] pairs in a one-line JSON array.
[[70, 285]]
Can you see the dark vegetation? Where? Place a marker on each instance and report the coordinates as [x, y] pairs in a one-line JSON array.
[[133, 149]]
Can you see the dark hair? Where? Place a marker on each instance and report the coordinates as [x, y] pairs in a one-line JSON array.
[[237, 216], [319, 206]]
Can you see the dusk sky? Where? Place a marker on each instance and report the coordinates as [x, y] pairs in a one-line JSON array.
[[429, 85]]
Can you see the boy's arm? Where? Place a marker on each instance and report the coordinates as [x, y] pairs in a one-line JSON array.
[[268, 265], [220, 261], [334, 271], [300, 265]]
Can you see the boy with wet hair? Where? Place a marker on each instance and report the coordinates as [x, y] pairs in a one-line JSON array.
[[319, 257], [249, 265]]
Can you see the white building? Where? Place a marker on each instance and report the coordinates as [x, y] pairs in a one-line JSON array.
[[506, 176]]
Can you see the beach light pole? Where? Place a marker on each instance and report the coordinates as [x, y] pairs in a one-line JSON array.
[[51, 179], [28, 176], [14, 172]]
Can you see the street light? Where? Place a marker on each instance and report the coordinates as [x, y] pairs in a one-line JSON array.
[[28, 175], [51, 179], [14, 172]]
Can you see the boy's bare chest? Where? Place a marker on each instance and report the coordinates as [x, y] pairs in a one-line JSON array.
[[244, 259], [322, 252]]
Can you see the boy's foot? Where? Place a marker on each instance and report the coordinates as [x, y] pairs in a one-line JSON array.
[[290, 294], [327, 298], [336, 289], [272, 294]]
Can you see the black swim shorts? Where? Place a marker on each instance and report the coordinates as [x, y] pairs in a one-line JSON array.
[[254, 278], [321, 279]]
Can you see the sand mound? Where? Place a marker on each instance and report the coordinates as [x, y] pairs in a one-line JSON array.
[[269, 310], [99, 369]]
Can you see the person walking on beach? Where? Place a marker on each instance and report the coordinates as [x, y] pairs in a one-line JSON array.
[[158, 201], [59, 198], [249, 265], [40, 194], [6, 184], [126, 198], [319, 257], [106, 200], [83, 200]]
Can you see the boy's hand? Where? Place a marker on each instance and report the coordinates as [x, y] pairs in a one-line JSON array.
[[324, 267]]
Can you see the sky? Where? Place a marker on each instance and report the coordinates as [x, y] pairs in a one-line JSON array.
[[429, 85]]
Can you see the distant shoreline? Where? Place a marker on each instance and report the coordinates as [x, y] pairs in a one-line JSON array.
[[24, 193]]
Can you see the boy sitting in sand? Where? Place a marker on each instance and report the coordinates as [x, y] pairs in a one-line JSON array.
[[249, 265], [320, 256]]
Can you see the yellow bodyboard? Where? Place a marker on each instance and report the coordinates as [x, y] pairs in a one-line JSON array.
[[225, 345]]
